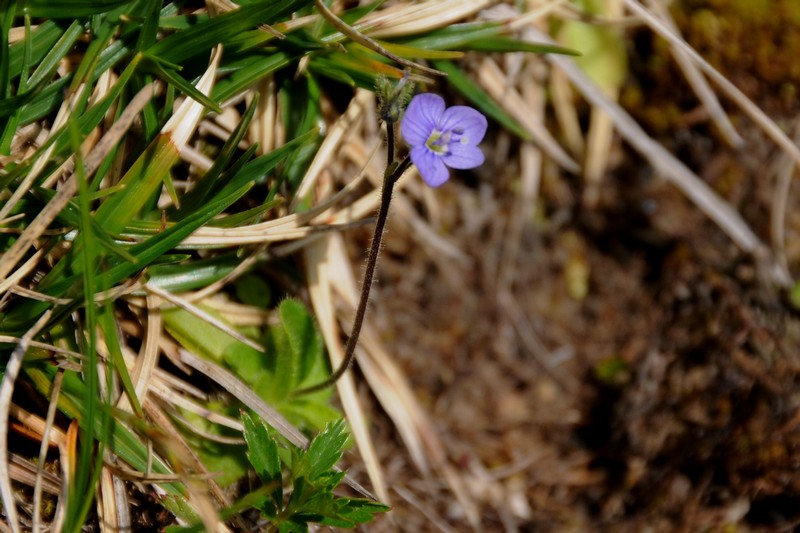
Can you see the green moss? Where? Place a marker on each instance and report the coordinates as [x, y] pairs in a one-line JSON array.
[[760, 37]]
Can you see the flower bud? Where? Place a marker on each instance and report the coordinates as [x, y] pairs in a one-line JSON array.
[[393, 98]]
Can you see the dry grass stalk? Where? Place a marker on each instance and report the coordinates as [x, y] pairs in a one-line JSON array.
[[13, 366], [50, 435], [46, 216]]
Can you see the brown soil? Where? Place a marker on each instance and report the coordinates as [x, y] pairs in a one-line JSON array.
[[663, 398]]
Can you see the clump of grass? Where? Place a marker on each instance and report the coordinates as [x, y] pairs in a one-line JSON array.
[[160, 162]]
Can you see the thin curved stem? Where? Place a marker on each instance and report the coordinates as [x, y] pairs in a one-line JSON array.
[[390, 177], [389, 148]]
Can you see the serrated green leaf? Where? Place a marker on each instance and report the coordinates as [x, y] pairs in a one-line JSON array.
[[262, 450], [324, 451], [354, 511], [291, 526]]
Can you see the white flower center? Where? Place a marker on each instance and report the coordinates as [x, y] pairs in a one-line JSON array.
[[439, 141]]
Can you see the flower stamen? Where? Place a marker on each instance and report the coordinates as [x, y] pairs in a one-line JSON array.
[[438, 141]]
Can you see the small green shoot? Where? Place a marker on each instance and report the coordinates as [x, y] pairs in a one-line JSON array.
[[304, 493]]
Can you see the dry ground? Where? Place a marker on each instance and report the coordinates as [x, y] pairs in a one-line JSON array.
[[621, 368]]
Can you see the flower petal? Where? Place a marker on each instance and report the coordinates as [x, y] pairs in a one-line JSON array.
[[430, 166], [463, 156], [470, 123], [422, 115]]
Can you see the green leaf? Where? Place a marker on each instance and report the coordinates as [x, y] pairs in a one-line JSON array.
[[456, 36], [354, 511], [108, 325], [196, 335], [244, 218], [275, 386], [324, 451], [304, 340], [48, 65], [360, 67], [290, 526], [262, 449], [192, 275], [252, 289], [258, 168], [124, 442]]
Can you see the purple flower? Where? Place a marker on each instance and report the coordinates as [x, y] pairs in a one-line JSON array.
[[441, 138]]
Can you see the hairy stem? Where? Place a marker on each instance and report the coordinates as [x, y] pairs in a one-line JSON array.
[[390, 176]]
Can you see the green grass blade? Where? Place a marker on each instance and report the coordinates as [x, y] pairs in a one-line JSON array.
[[172, 77], [246, 71], [153, 248], [5, 80], [60, 49], [81, 493], [108, 326], [204, 186], [71, 8], [139, 184], [464, 84], [203, 36], [42, 40]]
